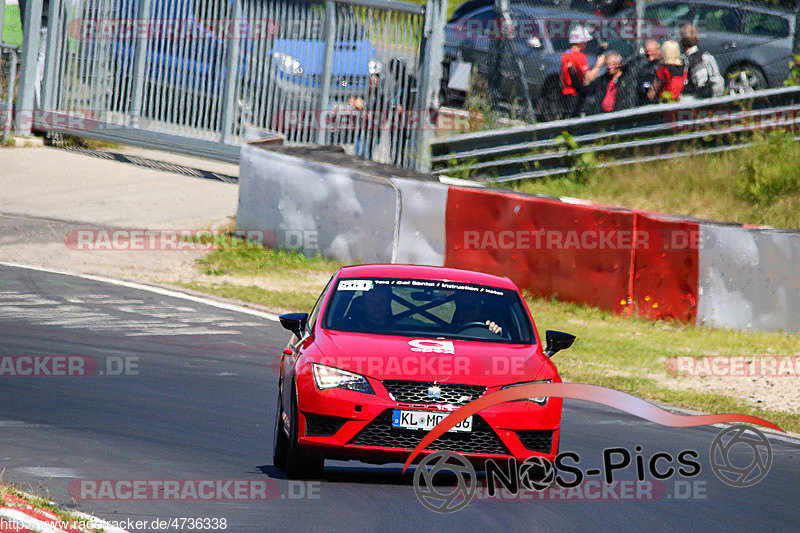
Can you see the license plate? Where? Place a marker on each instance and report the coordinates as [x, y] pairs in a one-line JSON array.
[[426, 420]]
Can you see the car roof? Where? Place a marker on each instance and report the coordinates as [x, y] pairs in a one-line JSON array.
[[773, 10], [425, 272]]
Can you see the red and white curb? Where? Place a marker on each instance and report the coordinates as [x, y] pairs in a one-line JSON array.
[[19, 516]]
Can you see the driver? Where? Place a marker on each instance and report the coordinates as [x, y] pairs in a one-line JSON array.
[[469, 308]]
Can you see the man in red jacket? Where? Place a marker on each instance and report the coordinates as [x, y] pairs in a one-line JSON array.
[[575, 72]]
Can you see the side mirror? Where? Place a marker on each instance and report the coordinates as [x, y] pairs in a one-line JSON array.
[[557, 341], [294, 322]]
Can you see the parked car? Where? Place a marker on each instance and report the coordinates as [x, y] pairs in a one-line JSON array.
[[388, 351], [530, 63], [752, 44], [282, 60]]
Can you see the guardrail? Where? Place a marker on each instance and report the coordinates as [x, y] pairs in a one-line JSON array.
[[647, 133]]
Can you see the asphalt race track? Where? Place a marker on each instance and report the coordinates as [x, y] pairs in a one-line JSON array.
[[202, 406]]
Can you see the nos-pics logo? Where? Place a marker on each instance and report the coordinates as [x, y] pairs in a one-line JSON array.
[[728, 457]]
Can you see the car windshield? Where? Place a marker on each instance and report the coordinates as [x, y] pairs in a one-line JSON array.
[[428, 308]]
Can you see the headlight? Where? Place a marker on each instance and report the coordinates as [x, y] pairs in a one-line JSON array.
[[541, 400], [287, 64], [375, 66], [327, 377]]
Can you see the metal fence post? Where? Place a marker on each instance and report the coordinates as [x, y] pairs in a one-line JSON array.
[[48, 91], [30, 58], [2, 21], [12, 73], [327, 68], [139, 63], [232, 64], [430, 79], [639, 22]]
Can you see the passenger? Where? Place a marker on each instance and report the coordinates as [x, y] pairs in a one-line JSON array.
[[671, 76], [575, 72], [372, 311]]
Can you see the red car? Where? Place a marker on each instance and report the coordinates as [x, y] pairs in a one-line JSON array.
[[389, 350]]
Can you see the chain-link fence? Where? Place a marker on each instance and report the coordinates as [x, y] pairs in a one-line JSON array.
[[537, 60]]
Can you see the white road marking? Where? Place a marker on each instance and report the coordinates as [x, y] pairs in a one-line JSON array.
[[137, 319], [148, 288], [49, 471]]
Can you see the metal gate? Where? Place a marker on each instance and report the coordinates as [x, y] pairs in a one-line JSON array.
[[188, 75]]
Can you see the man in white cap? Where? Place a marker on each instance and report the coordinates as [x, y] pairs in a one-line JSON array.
[[575, 72]]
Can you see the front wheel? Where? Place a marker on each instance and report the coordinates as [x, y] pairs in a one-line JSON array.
[[298, 464], [280, 441], [746, 78]]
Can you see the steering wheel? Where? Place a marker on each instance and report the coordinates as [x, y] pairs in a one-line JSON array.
[[471, 325]]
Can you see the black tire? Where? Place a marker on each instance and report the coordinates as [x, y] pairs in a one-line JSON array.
[[280, 441], [745, 78], [299, 465]]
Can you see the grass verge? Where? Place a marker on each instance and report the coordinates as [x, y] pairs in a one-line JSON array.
[[629, 354], [626, 354], [12, 27], [757, 185]]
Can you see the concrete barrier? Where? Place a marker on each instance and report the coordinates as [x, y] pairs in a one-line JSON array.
[[340, 213], [321, 201], [749, 278], [421, 239]]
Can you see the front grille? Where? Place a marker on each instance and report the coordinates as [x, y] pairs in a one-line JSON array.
[[537, 440], [323, 426], [380, 432], [417, 392], [337, 81]]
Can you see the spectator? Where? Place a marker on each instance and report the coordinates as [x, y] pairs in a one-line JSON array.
[[644, 70], [703, 79], [575, 72], [671, 76], [614, 90], [369, 125]]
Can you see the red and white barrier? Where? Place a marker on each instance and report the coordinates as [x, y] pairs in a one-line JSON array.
[[626, 261]]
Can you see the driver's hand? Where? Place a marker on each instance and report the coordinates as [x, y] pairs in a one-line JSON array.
[[494, 328]]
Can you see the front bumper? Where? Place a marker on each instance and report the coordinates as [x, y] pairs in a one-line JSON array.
[[345, 424]]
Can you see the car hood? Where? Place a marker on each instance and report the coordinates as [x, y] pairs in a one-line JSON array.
[[350, 58], [423, 359]]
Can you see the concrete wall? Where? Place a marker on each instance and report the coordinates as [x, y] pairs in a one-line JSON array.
[[337, 212], [358, 211], [421, 239], [749, 278]]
